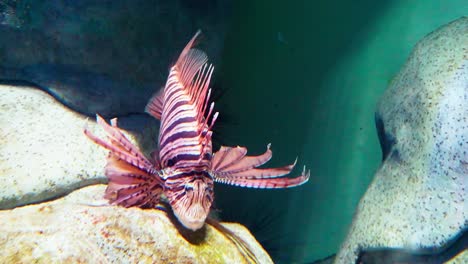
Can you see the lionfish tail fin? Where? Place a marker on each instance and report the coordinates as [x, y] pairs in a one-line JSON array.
[[232, 166], [133, 180]]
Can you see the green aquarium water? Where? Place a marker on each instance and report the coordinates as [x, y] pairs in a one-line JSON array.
[[306, 76]]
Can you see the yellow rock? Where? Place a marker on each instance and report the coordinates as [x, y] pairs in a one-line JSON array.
[[82, 228]]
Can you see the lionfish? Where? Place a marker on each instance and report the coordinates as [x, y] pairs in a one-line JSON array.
[[183, 168]]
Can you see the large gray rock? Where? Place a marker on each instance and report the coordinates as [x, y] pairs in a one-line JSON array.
[[43, 151], [81, 228], [418, 199]]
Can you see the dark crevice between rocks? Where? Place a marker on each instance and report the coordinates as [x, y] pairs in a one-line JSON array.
[[386, 140], [263, 226], [434, 255], [193, 237], [58, 192], [241, 245], [198, 237], [61, 100], [327, 260]]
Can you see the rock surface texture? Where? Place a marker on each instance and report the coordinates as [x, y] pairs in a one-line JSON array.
[[43, 151], [418, 200], [81, 228]]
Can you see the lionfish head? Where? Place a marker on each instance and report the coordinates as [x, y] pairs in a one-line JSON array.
[[191, 200]]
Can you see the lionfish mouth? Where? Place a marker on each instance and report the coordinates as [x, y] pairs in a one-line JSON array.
[[192, 218]]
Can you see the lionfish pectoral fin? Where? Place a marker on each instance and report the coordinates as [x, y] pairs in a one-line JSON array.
[[232, 160], [155, 158], [131, 186], [155, 104], [119, 144], [258, 179], [231, 166], [133, 180]]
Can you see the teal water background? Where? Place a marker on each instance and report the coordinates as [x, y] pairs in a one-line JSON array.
[[306, 76], [303, 75]]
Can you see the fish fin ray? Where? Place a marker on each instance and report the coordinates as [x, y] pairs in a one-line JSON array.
[[243, 162], [155, 104], [234, 161], [133, 179], [120, 145], [266, 183], [129, 185], [186, 97], [194, 73], [227, 156]]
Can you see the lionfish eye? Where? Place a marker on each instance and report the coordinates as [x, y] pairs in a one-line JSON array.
[[171, 162], [207, 156], [188, 188]]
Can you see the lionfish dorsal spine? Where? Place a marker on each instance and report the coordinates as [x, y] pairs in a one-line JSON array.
[[185, 135], [155, 104]]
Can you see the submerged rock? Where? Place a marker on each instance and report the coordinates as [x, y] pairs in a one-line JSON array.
[[104, 55], [83, 91], [43, 151], [82, 228], [418, 199]]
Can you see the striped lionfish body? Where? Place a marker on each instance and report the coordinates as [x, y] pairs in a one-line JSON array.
[[184, 168]]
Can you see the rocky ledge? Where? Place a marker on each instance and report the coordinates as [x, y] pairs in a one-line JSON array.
[[82, 228]]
